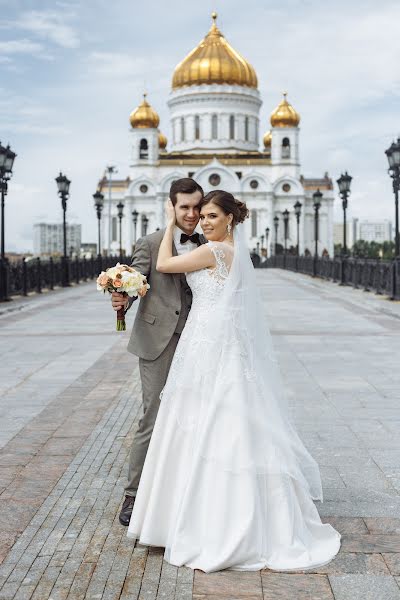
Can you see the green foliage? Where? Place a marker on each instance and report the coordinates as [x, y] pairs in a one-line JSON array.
[[364, 249]]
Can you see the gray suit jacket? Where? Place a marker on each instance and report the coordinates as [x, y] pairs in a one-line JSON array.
[[158, 312]]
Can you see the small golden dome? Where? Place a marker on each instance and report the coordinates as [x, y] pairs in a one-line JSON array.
[[214, 61], [162, 141], [285, 115], [267, 139], [144, 116]]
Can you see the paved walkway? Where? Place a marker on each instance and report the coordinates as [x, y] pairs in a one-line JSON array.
[[69, 405]]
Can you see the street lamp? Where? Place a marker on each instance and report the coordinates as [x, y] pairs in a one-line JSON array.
[[297, 212], [344, 182], [286, 229], [120, 208], [317, 205], [135, 215], [7, 157], [63, 184], [262, 241], [276, 223], [145, 222], [266, 238], [98, 198], [393, 155]]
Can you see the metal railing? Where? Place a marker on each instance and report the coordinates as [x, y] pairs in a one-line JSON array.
[[380, 276], [36, 274]]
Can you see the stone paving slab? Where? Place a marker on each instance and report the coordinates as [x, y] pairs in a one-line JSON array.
[[64, 455]]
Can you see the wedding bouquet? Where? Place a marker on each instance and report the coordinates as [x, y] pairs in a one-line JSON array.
[[125, 280]]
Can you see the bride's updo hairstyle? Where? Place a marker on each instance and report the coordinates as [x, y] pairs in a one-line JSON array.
[[228, 204]]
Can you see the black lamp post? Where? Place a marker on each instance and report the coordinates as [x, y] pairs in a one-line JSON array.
[[344, 182], [286, 231], [262, 241], [317, 205], [285, 215], [276, 223], [266, 238], [7, 157], [135, 215], [145, 222], [393, 155], [120, 208], [98, 198], [63, 184], [297, 212], [258, 248]]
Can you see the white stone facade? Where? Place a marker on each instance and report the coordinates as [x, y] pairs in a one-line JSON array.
[[216, 139]]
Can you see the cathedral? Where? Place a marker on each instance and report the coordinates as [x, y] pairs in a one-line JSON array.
[[218, 140]]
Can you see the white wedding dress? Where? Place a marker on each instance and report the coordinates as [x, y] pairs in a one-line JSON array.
[[227, 482]]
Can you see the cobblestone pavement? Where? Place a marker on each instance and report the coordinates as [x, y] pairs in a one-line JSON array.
[[67, 421]]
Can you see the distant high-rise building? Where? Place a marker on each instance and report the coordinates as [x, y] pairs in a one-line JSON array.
[[338, 233], [48, 239], [374, 231]]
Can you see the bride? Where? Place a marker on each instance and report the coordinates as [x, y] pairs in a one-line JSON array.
[[227, 483]]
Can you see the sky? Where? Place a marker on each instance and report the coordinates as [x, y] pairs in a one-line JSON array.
[[71, 72]]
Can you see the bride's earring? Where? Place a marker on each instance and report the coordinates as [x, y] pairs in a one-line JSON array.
[[229, 228]]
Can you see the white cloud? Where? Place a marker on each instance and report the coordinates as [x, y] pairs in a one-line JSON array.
[[20, 47], [116, 64], [49, 25]]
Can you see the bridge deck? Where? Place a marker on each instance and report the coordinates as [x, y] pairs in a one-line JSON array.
[[67, 421]]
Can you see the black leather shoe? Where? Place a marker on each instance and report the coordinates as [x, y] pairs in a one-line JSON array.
[[126, 510]]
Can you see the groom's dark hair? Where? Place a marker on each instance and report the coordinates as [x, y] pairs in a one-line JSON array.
[[186, 185]]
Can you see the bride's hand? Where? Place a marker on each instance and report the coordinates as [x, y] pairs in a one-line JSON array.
[[170, 212]]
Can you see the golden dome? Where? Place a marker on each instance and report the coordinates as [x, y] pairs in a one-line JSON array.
[[267, 139], [285, 115], [214, 61], [162, 141], [144, 116]]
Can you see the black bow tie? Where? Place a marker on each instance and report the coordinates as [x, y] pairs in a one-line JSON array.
[[195, 238]]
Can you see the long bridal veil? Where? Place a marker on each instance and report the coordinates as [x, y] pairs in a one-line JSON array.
[[229, 393]]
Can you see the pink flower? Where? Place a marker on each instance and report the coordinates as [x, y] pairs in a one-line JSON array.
[[117, 283], [102, 279], [142, 291]]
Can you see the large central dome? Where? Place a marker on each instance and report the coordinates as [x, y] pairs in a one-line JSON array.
[[214, 61]]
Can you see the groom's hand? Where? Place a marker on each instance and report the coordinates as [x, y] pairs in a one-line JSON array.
[[119, 300]]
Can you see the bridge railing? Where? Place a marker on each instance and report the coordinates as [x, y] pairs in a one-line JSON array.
[[381, 276], [36, 274]]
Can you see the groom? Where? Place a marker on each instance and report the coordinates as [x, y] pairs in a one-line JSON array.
[[160, 320]]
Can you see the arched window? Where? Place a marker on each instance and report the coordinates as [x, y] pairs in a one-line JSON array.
[[246, 129], [285, 148], [197, 127], [231, 127], [182, 129], [214, 127], [144, 149]]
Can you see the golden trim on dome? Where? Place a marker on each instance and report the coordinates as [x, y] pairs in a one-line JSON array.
[[267, 139], [285, 115], [144, 116], [214, 61], [162, 141]]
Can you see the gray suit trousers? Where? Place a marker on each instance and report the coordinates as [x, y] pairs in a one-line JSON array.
[[153, 374]]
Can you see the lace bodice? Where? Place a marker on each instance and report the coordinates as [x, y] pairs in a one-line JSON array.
[[207, 284]]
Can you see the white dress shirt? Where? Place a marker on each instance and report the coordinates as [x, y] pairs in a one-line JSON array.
[[182, 248]]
